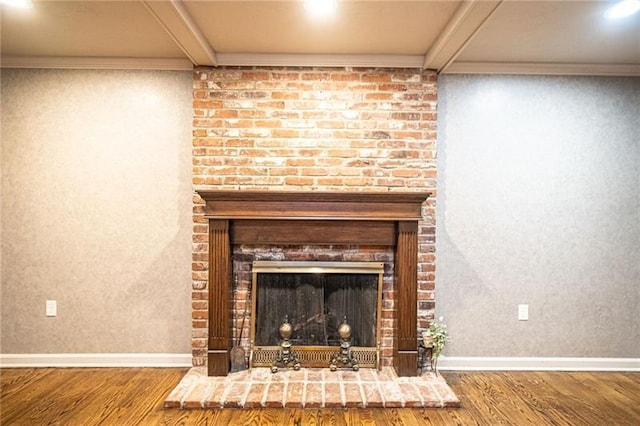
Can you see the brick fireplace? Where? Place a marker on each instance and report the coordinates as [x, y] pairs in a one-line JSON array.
[[312, 130]]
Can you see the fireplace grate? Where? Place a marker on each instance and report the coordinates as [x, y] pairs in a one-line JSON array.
[[314, 356]]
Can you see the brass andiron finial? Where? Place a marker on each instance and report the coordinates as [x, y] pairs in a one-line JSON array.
[[286, 358], [345, 358]]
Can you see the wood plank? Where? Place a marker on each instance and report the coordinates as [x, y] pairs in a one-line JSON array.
[[382, 233], [220, 333], [406, 311], [582, 391], [313, 196], [312, 211], [503, 401]]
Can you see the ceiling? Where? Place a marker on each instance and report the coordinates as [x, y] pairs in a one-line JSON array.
[[488, 36]]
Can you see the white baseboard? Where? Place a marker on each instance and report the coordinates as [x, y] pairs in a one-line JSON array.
[[538, 364], [95, 360], [444, 363]]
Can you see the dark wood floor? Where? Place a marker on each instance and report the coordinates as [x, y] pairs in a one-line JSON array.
[[134, 396]]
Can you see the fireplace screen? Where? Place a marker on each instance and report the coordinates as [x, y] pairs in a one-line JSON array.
[[315, 298]]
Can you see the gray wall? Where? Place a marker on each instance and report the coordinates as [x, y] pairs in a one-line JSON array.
[[96, 211], [538, 183], [537, 203]]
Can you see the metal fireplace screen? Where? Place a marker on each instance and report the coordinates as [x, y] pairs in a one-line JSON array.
[[316, 297]]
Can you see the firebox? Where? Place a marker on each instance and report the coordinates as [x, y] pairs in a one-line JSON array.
[[316, 298]]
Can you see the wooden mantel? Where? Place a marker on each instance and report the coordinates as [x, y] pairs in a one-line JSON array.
[[313, 205], [245, 217]]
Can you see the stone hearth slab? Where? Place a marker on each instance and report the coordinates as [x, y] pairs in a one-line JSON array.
[[310, 388]]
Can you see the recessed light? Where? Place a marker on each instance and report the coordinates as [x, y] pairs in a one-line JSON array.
[[622, 9], [22, 4], [321, 7]]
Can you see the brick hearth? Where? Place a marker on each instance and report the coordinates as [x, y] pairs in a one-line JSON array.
[[310, 388]]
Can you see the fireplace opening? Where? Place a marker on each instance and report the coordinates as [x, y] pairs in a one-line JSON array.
[[316, 298]]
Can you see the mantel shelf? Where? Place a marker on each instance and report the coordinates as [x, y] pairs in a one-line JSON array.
[[377, 206]]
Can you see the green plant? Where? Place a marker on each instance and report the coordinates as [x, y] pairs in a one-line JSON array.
[[439, 336]]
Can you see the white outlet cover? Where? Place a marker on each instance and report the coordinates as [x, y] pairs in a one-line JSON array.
[[51, 308], [523, 312]]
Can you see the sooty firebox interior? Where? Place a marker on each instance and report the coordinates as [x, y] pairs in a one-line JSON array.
[[315, 298]]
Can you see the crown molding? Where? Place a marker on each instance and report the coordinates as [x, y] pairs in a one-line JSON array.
[[66, 62], [373, 61], [223, 59], [542, 68], [319, 60]]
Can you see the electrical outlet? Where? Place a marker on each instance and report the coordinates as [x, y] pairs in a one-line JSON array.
[[51, 308], [523, 312]]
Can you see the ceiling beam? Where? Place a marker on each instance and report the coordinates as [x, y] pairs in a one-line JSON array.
[[176, 21], [463, 25]]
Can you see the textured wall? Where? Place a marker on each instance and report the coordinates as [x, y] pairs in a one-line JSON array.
[[313, 129], [538, 203], [96, 211]]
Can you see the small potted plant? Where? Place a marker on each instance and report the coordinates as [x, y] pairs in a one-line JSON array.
[[436, 337]]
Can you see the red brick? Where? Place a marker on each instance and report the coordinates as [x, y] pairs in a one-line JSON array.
[[285, 133], [345, 77], [332, 395], [200, 315], [275, 395], [271, 104], [254, 397], [391, 394], [314, 395], [353, 396], [199, 266], [285, 75], [296, 181], [392, 87], [378, 96], [372, 396], [294, 394], [315, 75], [199, 295], [196, 395], [198, 324], [300, 162], [213, 399], [249, 75], [235, 394], [381, 77], [411, 395]]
